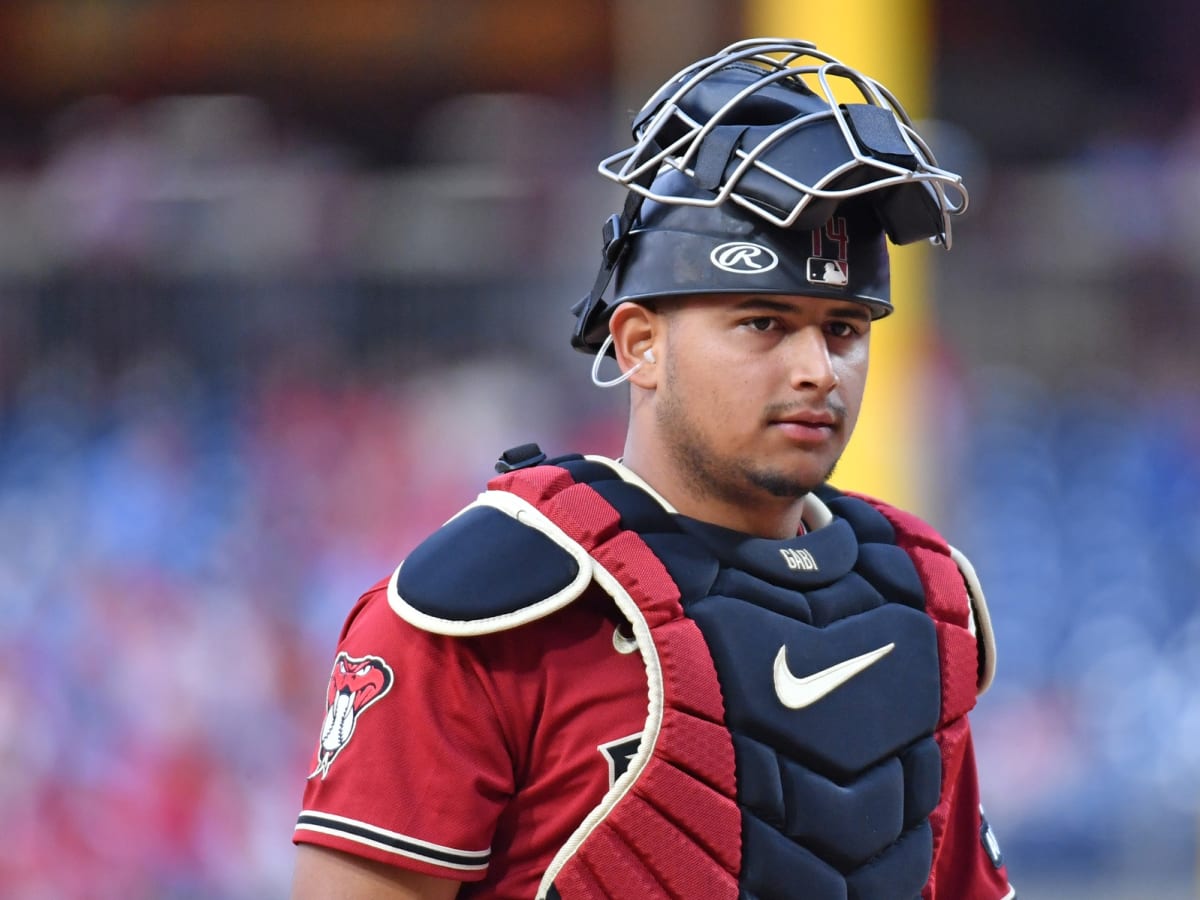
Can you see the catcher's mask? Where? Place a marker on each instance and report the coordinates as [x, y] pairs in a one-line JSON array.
[[751, 147]]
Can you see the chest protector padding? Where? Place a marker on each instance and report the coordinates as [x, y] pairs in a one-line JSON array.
[[776, 772]]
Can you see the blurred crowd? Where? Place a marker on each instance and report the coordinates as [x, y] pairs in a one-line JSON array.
[[1080, 509], [176, 564], [241, 379]]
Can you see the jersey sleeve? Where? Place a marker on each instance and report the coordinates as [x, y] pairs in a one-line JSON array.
[[967, 863], [412, 765]]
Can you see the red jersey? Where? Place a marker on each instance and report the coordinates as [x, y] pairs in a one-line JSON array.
[[472, 758], [485, 753]]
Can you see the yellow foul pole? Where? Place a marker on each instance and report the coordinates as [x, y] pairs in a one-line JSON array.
[[889, 40]]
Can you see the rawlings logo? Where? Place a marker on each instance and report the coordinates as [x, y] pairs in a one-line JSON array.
[[354, 684], [744, 258]]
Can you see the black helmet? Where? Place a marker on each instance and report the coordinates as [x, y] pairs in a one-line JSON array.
[[675, 249], [748, 176]]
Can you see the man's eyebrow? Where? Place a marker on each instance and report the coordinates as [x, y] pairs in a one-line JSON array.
[[853, 311], [849, 310], [751, 303]]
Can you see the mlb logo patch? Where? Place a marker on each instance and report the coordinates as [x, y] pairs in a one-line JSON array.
[[827, 271]]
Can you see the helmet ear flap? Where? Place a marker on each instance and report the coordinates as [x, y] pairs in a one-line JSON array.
[[591, 312]]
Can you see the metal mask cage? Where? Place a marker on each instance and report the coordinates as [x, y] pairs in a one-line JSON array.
[[667, 134]]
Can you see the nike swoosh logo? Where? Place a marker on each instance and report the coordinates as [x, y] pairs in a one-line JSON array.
[[797, 693]]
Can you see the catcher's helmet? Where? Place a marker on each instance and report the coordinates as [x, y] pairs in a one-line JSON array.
[[750, 151]]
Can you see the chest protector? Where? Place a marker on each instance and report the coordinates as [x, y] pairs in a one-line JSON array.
[[807, 697]]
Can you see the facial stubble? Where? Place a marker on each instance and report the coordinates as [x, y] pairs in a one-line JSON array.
[[709, 474]]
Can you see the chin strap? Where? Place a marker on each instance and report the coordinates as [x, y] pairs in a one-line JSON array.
[[589, 311]]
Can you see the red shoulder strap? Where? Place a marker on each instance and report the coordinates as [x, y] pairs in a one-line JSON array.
[[675, 832], [947, 603]]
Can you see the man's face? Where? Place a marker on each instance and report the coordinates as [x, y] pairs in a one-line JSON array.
[[759, 394]]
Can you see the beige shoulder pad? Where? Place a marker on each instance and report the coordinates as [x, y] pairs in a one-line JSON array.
[[980, 623]]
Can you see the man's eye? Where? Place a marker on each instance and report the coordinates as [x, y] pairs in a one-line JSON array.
[[765, 323], [840, 329]]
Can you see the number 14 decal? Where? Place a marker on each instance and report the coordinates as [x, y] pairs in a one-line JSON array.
[[835, 232]]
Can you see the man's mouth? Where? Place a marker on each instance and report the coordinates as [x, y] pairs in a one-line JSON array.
[[807, 426]]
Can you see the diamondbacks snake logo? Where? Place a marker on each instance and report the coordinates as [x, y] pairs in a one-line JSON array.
[[354, 684]]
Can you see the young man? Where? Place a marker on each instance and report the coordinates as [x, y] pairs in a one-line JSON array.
[[699, 671]]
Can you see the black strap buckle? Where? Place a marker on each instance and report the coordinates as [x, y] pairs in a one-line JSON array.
[[522, 457]]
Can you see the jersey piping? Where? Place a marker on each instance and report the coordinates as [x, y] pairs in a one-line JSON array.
[[392, 842]]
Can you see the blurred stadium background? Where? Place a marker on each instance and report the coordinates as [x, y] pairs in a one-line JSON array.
[[278, 280]]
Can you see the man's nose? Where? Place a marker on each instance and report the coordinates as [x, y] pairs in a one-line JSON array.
[[810, 361]]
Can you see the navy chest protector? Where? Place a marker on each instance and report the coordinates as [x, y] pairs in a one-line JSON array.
[[803, 694]]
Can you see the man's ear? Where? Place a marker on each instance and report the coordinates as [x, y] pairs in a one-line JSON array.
[[635, 330]]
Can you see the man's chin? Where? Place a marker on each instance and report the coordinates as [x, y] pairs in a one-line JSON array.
[[789, 485], [785, 487]]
